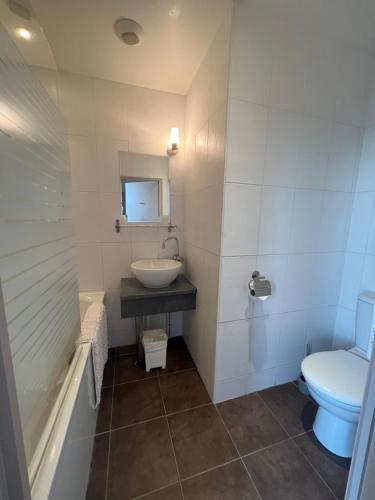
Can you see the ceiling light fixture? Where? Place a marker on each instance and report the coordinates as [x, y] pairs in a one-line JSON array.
[[174, 11], [129, 31], [23, 33]]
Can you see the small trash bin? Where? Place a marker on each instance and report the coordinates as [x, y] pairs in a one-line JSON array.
[[155, 345]]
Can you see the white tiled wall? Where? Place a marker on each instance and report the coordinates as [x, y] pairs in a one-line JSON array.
[[104, 118], [359, 269], [206, 106], [297, 113]]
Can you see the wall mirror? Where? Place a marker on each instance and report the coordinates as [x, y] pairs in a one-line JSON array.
[[145, 188]]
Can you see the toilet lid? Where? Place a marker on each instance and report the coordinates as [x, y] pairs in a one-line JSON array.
[[339, 374]]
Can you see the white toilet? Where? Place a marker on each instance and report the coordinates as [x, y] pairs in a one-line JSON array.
[[336, 380]]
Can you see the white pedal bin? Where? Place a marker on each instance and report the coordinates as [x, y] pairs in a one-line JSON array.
[[155, 346]]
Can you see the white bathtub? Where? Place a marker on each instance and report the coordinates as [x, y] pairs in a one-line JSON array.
[[86, 299], [62, 469]]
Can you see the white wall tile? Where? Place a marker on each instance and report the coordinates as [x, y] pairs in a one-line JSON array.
[[321, 78], [86, 216], [351, 280], [283, 148], [246, 142], [89, 262], [258, 381], [252, 47], [335, 221], [288, 373], [110, 105], [76, 102], [314, 152], [232, 350], [360, 222], [343, 161], [371, 237], [116, 263], [234, 300], [368, 276], [306, 220], [230, 389], [276, 211], [293, 332], [344, 337], [241, 219], [151, 114], [144, 250], [108, 164], [298, 282], [353, 87], [289, 76], [326, 278], [265, 338], [321, 328], [366, 175], [83, 162]]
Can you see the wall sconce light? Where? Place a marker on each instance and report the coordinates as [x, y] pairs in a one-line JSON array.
[[174, 141]]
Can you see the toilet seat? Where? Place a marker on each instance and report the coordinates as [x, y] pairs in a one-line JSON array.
[[340, 375]]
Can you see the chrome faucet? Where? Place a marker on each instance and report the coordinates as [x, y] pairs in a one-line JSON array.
[[177, 255]]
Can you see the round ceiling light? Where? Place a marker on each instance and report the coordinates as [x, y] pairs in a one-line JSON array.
[[23, 33], [129, 31]]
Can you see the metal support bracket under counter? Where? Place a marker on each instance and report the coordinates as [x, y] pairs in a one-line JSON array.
[[138, 301]]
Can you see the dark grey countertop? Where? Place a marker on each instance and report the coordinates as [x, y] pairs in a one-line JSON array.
[[132, 289]]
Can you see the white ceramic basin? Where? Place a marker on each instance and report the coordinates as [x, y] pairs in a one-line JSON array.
[[156, 273]]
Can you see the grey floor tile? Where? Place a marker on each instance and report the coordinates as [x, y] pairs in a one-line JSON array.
[[200, 440], [183, 390], [141, 460], [229, 482], [135, 402], [281, 472], [250, 423], [170, 493], [293, 410], [333, 469], [127, 370], [104, 414]]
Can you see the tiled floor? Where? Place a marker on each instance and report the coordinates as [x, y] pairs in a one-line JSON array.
[[160, 438]]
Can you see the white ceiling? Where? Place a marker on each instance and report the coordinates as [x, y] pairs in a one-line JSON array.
[[77, 35], [80, 33]]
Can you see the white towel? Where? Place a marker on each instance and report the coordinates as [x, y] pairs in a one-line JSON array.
[[94, 330]]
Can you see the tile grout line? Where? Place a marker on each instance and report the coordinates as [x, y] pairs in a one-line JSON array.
[[314, 469], [154, 418], [235, 447], [171, 440], [153, 377], [139, 497], [274, 415], [237, 459], [266, 447], [110, 431]]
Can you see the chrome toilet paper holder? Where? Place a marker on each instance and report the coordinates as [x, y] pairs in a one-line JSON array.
[[259, 286]]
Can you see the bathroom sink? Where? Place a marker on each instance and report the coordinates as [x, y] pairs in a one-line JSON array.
[[156, 273]]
